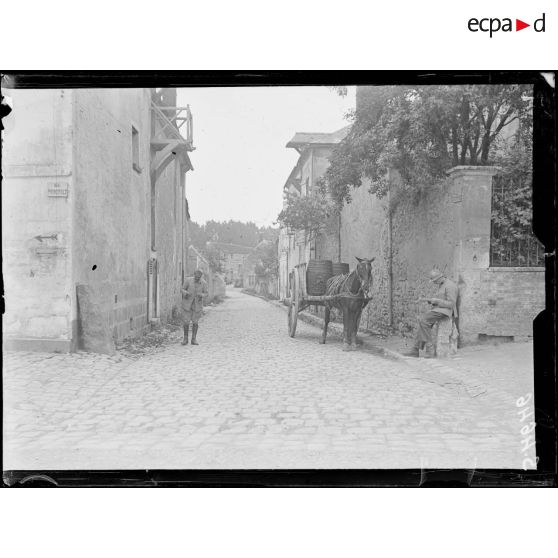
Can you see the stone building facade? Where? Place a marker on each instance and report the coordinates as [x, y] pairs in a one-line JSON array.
[[447, 225], [300, 246], [233, 261], [93, 199]]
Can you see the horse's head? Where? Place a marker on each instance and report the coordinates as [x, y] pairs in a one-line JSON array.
[[364, 273]]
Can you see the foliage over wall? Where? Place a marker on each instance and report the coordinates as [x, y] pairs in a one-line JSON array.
[[309, 213], [422, 132], [512, 239], [213, 259], [267, 262]]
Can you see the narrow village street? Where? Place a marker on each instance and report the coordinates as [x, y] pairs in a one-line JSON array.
[[249, 396]]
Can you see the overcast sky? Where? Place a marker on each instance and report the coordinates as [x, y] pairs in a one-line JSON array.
[[241, 162]]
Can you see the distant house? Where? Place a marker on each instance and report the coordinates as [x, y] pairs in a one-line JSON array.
[[260, 273], [298, 247], [233, 260]]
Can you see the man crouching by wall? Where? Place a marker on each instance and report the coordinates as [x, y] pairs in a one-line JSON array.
[[194, 291], [442, 305]]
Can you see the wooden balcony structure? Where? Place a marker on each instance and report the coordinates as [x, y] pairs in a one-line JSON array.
[[167, 142]]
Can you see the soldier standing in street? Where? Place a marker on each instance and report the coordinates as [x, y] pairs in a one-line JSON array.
[[193, 292], [443, 305]]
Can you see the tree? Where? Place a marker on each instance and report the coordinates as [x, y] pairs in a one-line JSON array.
[[213, 256], [231, 232], [309, 213], [267, 266], [512, 236], [422, 132]]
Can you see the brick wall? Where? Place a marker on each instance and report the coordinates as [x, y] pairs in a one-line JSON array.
[[511, 299]]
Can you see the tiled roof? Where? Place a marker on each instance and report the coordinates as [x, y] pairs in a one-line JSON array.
[[306, 138]]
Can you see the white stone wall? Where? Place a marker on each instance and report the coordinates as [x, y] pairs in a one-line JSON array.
[[37, 197]]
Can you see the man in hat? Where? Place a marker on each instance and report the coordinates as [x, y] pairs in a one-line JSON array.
[[193, 292], [442, 305]]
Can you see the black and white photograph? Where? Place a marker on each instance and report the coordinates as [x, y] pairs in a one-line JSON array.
[[282, 277]]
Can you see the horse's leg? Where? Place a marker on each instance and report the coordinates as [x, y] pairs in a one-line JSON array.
[[350, 327], [326, 323], [353, 313], [358, 340], [346, 329]]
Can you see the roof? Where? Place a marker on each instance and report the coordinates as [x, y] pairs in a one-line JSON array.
[[301, 139], [193, 249]]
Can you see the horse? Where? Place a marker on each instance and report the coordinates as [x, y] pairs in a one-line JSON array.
[[355, 288]]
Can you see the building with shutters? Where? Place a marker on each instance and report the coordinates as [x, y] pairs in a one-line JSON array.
[[95, 216]]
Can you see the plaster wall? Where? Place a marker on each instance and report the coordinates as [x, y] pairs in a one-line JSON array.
[[37, 197], [111, 217], [169, 222]]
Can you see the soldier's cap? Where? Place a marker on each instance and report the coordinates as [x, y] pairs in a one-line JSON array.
[[435, 274]]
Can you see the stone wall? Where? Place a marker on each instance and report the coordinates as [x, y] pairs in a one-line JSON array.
[[423, 235], [364, 235], [445, 225], [112, 205], [487, 294], [37, 196]]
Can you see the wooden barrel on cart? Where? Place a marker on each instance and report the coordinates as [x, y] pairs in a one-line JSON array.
[[340, 268], [317, 274]]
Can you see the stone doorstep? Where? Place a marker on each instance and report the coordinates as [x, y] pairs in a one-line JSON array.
[[37, 344]]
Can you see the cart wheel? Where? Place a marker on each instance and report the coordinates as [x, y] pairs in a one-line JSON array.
[[294, 306]]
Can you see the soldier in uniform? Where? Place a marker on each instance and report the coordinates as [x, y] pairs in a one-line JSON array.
[[442, 305], [193, 292]]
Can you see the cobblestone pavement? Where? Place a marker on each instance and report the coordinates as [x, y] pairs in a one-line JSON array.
[[249, 396]]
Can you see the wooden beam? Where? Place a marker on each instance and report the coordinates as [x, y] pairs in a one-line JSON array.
[[164, 157]]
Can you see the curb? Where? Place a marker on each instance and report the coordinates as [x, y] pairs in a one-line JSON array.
[[436, 366], [337, 330]]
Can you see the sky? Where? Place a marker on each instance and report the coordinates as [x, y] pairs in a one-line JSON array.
[[241, 162]]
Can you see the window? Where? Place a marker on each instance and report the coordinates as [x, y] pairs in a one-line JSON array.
[[135, 150], [512, 242]]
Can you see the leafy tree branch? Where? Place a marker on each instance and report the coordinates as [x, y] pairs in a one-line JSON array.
[[422, 132]]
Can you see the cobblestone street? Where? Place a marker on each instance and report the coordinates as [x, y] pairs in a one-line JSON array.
[[249, 396]]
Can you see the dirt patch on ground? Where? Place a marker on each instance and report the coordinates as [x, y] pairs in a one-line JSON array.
[[157, 339], [160, 337]]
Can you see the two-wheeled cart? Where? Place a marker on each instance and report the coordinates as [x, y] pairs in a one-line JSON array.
[[299, 297]]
